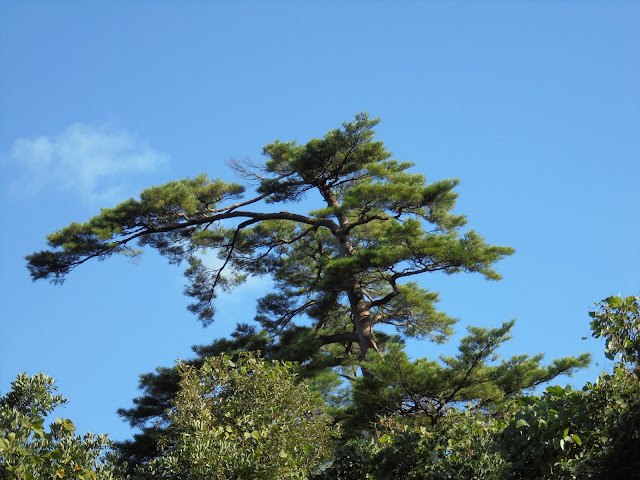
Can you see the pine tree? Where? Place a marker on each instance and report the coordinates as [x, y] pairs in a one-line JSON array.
[[348, 265]]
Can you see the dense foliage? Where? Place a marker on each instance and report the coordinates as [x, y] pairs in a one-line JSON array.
[[242, 419], [462, 445], [30, 451], [430, 388], [574, 434], [396, 385], [591, 433]]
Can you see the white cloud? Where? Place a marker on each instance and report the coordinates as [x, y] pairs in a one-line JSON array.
[[88, 160]]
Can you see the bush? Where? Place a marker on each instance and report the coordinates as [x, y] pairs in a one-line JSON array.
[[28, 451], [243, 419]]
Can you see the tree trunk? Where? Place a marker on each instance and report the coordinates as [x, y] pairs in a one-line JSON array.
[[363, 323], [360, 314]]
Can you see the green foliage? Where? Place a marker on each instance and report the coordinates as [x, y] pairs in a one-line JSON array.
[[150, 411], [592, 433], [576, 434], [460, 446], [112, 230], [429, 388], [588, 433], [618, 322], [544, 439], [159, 388], [242, 419], [396, 386], [28, 451]]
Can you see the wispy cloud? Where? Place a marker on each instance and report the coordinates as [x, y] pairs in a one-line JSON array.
[[92, 161]]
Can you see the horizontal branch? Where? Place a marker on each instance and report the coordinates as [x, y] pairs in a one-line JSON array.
[[343, 337], [364, 221], [106, 248]]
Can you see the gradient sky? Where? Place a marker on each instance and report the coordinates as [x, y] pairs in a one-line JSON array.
[[534, 106]]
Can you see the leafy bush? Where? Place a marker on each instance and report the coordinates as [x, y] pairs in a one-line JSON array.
[[28, 451], [243, 419], [461, 445], [588, 433]]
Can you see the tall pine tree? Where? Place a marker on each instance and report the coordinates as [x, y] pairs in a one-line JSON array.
[[349, 265]]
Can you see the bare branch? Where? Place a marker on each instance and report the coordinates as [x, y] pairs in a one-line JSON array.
[[232, 246], [230, 208], [246, 169], [285, 319]]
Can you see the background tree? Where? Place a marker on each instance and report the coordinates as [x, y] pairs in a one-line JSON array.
[[150, 410], [617, 320], [243, 419], [423, 389], [589, 433], [28, 451]]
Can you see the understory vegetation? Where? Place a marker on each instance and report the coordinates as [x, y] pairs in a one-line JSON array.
[[237, 415]]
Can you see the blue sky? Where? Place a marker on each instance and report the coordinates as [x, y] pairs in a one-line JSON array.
[[535, 106]]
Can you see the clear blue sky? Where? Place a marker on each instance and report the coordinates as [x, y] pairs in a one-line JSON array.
[[535, 106]]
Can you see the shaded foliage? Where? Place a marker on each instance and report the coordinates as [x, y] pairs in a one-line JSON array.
[[575, 434], [589, 433], [460, 446]]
